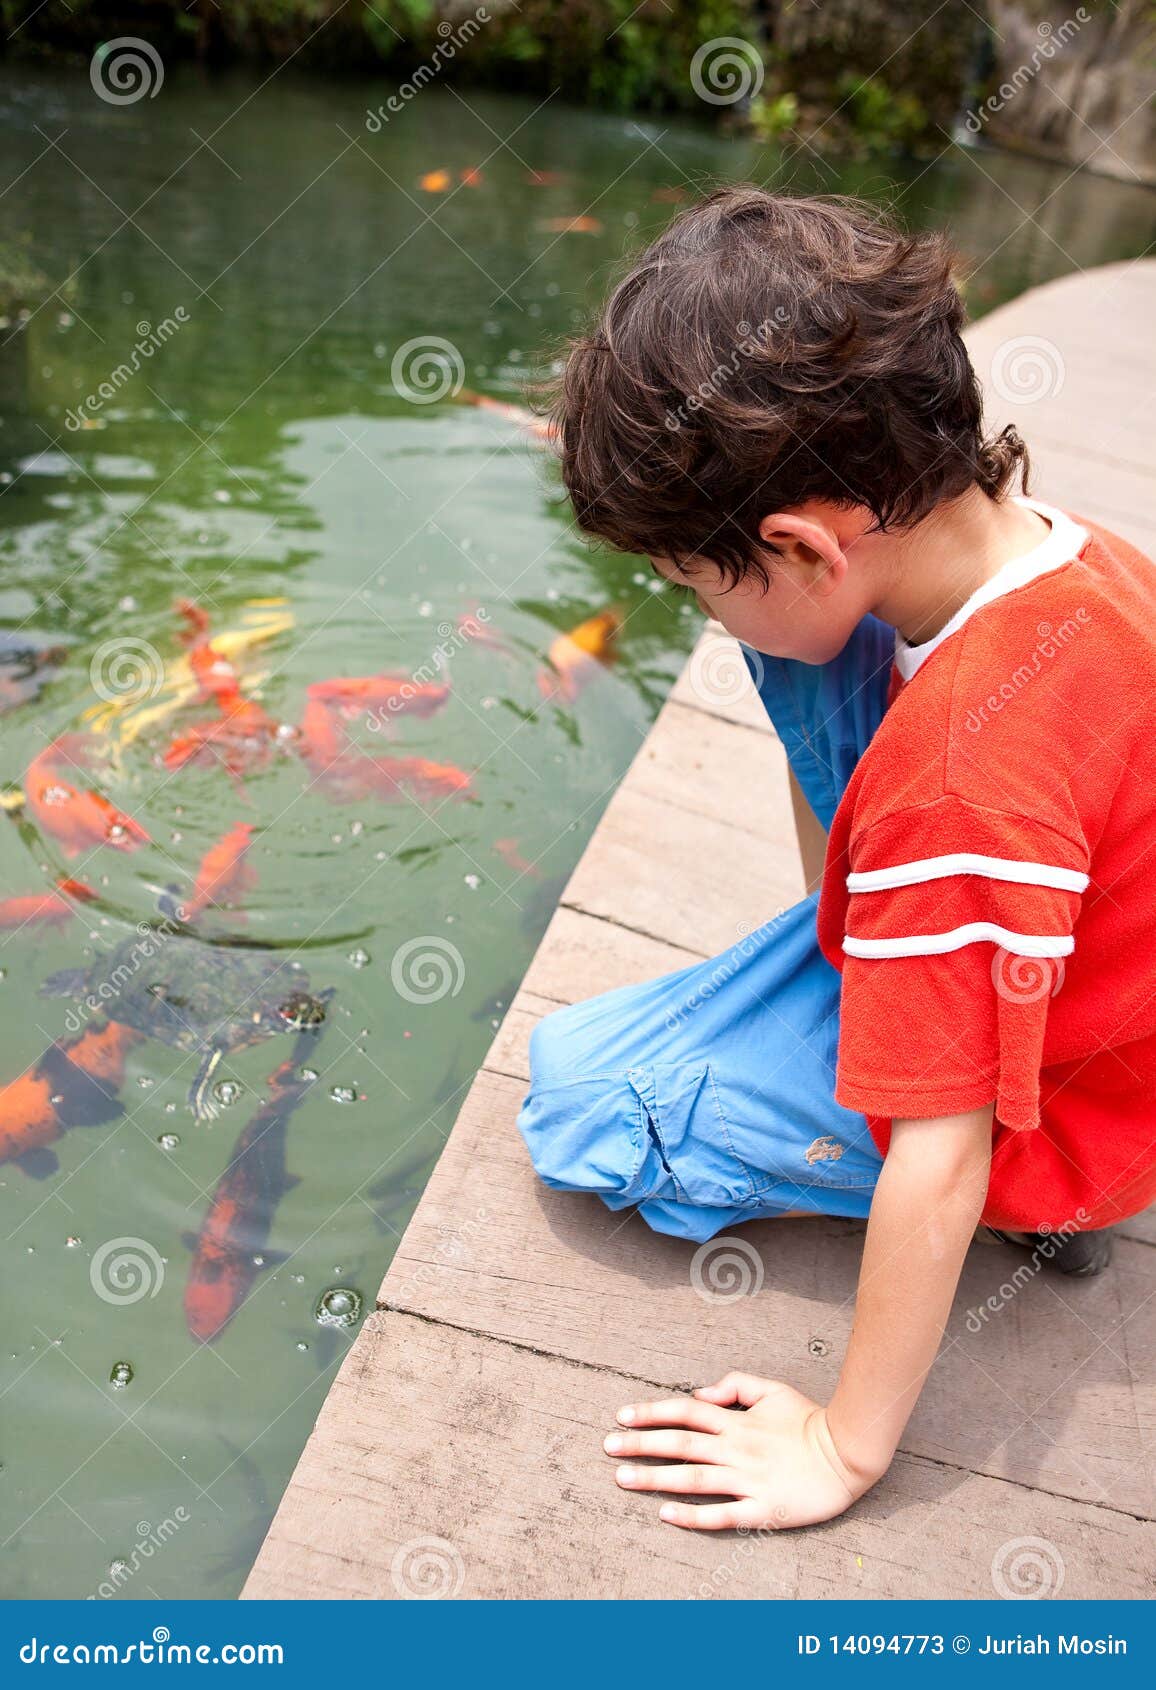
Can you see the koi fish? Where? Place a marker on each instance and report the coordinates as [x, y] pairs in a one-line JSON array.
[[576, 657], [223, 871], [39, 909], [470, 177], [196, 620], [434, 181], [242, 739], [73, 1085], [545, 178], [352, 777], [354, 694], [236, 1226], [476, 625], [78, 818], [508, 850], [539, 427], [668, 196], [571, 225], [214, 674], [321, 738]]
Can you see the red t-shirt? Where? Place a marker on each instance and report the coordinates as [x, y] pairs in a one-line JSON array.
[[990, 886]]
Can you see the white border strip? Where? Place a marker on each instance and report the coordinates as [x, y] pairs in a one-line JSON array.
[[968, 862], [935, 944]]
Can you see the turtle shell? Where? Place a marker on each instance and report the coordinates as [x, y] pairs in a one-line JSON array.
[[187, 993]]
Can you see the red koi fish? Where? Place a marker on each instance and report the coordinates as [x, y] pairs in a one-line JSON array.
[[75, 1084], [470, 177], [38, 909], [545, 178], [240, 1214], [223, 872], [78, 818], [476, 625], [214, 674], [575, 658], [242, 739], [397, 694]]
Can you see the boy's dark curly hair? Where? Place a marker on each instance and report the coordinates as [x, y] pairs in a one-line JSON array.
[[764, 351]]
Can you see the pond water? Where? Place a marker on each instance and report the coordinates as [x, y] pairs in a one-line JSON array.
[[277, 445]]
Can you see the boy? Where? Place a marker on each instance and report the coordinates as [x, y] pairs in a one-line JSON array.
[[778, 409]]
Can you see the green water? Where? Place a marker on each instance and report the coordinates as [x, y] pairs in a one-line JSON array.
[[266, 451]]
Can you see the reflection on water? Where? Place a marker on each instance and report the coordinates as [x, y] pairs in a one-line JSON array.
[[232, 397]]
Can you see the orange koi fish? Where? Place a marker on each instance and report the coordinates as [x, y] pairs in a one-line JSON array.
[[477, 626], [539, 427], [39, 909], [508, 850], [196, 621], [434, 181], [575, 658], [321, 738], [353, 777], [571, 225], [223, 872], [75, 1084], [470, 177], [78, 818], [241, 739], [228, 1251], [398, 694]]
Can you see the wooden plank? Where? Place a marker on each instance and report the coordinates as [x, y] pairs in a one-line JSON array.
[[444, 1461], [1041, 1389]]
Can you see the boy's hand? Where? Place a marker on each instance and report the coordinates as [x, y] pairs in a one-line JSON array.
[[777, 1459]]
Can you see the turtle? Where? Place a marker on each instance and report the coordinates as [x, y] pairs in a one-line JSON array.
[[161, 982]]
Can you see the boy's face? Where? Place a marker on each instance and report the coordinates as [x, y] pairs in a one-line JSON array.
[[799, 614]]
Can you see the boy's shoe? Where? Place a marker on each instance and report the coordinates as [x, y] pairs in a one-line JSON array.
[[1078, 1255]]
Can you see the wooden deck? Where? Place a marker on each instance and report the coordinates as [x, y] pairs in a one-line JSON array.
[[461, 1442]]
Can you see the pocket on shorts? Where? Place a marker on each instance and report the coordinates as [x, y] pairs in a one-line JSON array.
[[681, 1105]]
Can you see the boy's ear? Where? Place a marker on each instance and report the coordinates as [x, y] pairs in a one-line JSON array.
[[811, 547]]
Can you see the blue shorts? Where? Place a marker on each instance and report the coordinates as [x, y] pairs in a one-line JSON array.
[[706, 1097]]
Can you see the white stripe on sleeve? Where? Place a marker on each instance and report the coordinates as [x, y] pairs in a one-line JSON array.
[[968, 862], [936, 944]]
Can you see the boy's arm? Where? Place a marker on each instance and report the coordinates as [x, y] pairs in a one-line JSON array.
[[788, 1461], [810, 833]]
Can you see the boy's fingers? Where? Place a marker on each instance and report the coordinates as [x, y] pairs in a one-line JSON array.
[[697, 1481], [736, 1387], [675, 1445], [675, 1411], [710, 1517]]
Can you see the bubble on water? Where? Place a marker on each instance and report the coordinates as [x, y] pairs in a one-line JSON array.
[[335, 838], [489, 702], [301, 1344], [227, 1091], [287, 730], [32, 1249], [176, 836], [298, 1279], [72, 1242], [339, 1306], [117, 1569], [169, 1141], [116, 831], [170, 1108], [638, 578], [360, 958], [343, 1094], [473, 881], [222, 496], [380, 856], [356, 829], [121, 1375], [3, 974], [56, 1099], [144, 1082], [127, 603], [258, 1261]]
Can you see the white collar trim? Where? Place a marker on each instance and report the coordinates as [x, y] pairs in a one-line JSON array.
[[1063, 543]]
